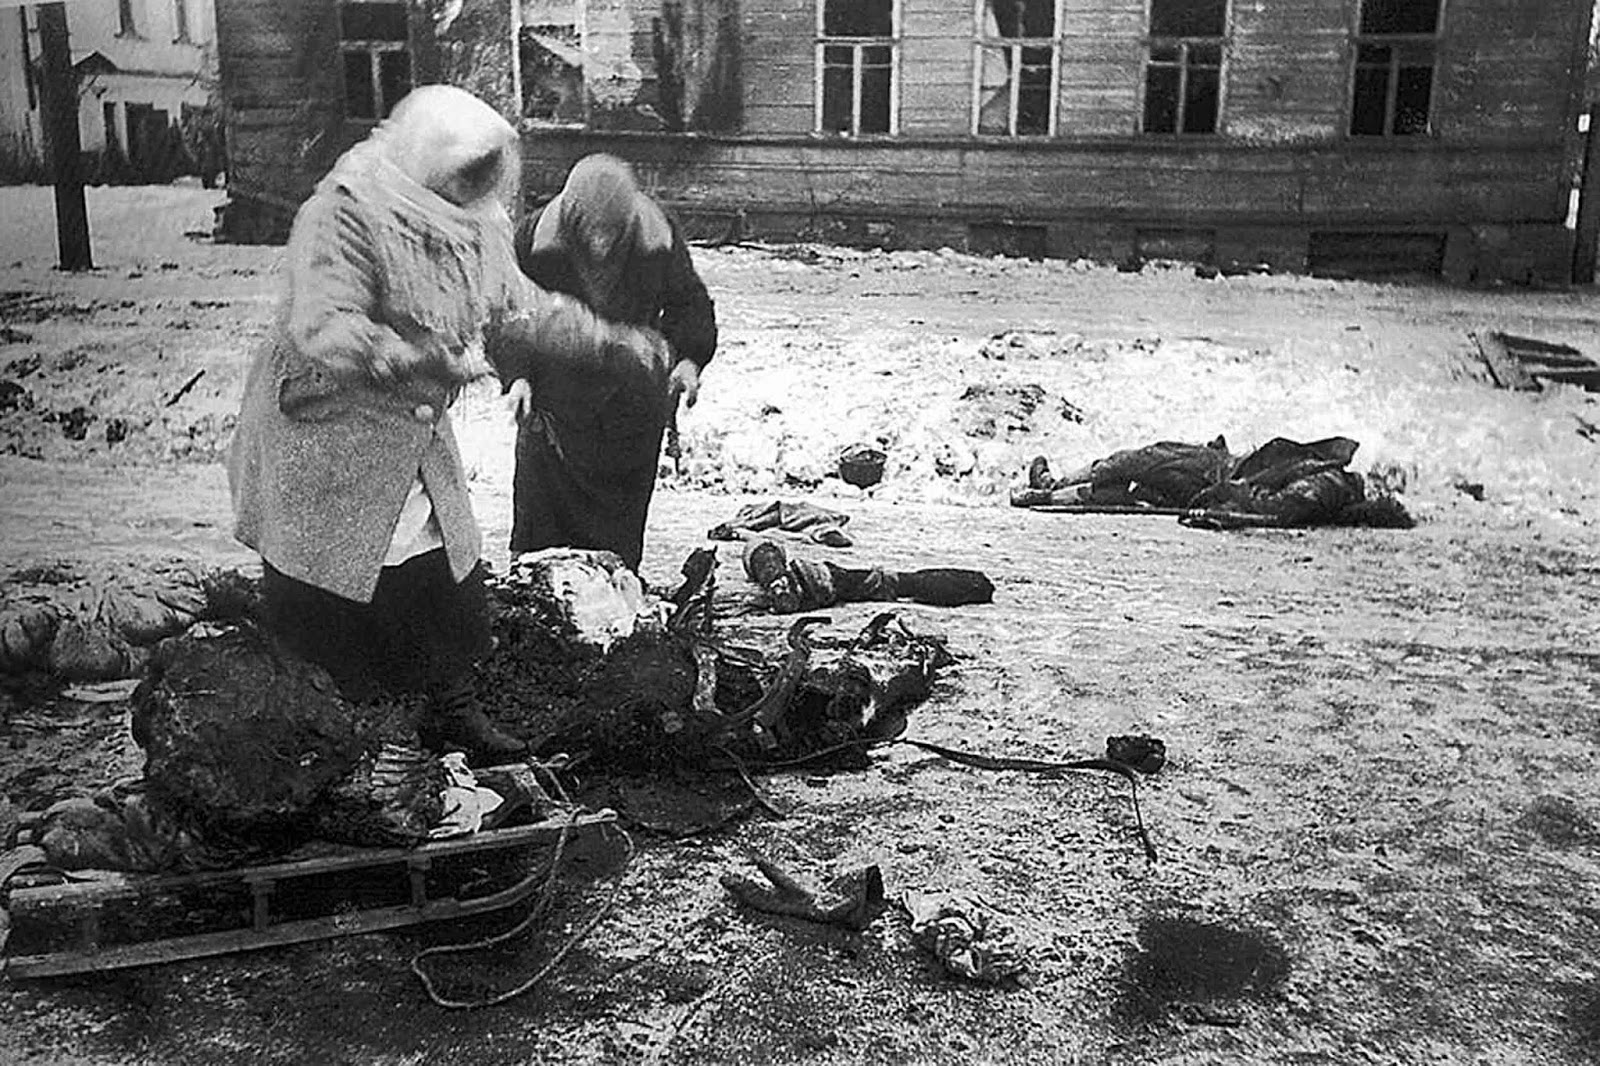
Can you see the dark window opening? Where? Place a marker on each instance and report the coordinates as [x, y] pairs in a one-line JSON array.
[[858, 18], [1399, 16], [360, 98], [180, 15], [1183, 94], [552, 74], [373, 22], [856, 67], [108, 114], [1023, 18], [1183, 74], [1392, 90], [394, 77], [1018, 239], [1188, 18], [374, 40], [1357, 254], [125, 24]]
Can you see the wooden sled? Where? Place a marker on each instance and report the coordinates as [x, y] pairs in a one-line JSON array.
[[112, 920]]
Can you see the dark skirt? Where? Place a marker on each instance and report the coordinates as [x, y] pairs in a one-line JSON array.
[[422, 632], [584, 479]]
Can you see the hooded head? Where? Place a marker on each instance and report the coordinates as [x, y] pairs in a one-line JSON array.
[[600, 219], [452, 143]]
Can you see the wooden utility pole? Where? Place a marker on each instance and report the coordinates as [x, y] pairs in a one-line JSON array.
[[59, 91]]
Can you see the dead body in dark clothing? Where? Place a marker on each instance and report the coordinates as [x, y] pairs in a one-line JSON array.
[[1282, 483], [588, 441]]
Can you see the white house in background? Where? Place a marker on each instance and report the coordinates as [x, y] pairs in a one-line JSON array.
[[143, 66]]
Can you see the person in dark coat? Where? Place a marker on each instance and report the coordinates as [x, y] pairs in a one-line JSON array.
[[588, 438], [344, 470]]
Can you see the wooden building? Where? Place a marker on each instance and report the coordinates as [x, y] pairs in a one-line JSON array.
[[1335, 136], [145, 71]]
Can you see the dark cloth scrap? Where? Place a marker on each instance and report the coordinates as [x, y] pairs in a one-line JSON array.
[[814, 523]]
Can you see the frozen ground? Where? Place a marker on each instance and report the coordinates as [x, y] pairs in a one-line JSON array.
[[1383, 743]]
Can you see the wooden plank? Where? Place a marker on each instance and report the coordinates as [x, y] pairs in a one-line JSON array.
[[1508, 373]]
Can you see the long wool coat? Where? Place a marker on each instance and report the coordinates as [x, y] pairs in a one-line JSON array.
[[587, 458]]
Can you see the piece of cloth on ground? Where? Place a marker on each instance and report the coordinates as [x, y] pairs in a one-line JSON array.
[[801, 518]]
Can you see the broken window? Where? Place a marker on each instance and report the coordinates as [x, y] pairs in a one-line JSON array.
[[1018, 68], [551, 46], [1183, 71], [375, 45], [1396, 50], [857, 56]]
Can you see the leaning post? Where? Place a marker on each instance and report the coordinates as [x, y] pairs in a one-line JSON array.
[[59, 88]]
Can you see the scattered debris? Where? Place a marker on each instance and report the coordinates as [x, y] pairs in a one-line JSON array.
[[967, 937], [14, 397], [853, 899], [1525, 363], [183, 390], [1145, 754]]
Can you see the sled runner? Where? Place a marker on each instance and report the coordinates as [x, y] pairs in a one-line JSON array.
[[84, 922]]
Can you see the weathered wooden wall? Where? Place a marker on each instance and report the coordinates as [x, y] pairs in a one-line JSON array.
[[1281, 167], [283, 101], [779, 57]]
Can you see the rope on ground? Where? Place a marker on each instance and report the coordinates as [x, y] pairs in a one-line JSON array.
[[546, 893], [1046, 766]]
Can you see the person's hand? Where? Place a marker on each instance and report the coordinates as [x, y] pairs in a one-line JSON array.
[[519, 399], [684, 383]]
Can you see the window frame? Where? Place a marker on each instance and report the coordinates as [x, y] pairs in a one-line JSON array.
[[1183, 44], [525, 36], [858, 45], [1399, 44], [374, 50], [983, 43]]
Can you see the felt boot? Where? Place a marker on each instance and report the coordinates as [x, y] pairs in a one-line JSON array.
[[456, 723]]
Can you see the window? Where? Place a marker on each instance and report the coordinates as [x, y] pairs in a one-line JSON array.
[[857, 57], [125, 24], [1396, 47], [180, 20], [551, 49], [1183, 73], [373, 41], [1018, 68]]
